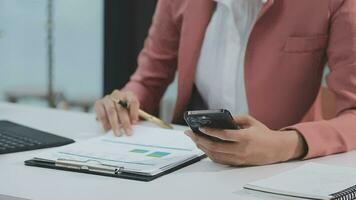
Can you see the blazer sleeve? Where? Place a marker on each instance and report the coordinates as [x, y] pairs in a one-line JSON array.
[[337, 135], [157, 62]]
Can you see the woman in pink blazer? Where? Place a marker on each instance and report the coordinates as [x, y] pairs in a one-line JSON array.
[[288, 48]]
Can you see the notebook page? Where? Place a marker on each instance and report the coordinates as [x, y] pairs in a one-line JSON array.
[[147, 151], [310, 180]]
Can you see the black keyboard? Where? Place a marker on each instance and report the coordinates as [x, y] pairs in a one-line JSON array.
[[15, 138]]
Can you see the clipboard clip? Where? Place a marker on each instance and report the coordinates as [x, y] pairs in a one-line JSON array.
[[89, 165]]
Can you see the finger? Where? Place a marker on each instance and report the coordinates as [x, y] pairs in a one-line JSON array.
[[134, 107], [233, 155], [221, 158], [115, 95], [207, 143], [190, 134], [101, 115], [112, 114], [246, 120], [228, 135], [123, 114], [211, 155], [125, 120], [217, 147]]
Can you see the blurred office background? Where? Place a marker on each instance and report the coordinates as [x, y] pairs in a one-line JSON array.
[[94, 48], [77, 48]]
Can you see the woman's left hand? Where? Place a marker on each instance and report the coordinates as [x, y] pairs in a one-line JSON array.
[[255, 144]]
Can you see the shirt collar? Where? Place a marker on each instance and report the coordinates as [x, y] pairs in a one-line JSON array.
[[225, 2]]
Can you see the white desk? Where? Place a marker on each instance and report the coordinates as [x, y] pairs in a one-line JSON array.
[[203, 180]]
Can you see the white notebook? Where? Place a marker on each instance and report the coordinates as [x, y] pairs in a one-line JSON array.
[[310, 181]]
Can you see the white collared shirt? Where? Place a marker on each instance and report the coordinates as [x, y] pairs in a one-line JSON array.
[[220, 71]]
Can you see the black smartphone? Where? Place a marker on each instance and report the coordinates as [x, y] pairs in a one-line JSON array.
[[217, 119]]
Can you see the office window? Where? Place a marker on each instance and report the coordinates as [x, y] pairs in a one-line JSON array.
[[78, 38]]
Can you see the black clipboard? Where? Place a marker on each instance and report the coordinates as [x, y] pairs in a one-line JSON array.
[[124, 175]]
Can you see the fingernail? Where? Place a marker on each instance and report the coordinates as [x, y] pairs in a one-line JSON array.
[[128, 131], [122, 132], [117, 132], [202, 130], [188, 133]]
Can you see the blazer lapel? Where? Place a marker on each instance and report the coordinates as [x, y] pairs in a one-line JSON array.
[[265, 8], [248, 58], [196, 20]]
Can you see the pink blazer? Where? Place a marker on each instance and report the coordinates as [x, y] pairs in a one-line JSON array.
[[288, 48]]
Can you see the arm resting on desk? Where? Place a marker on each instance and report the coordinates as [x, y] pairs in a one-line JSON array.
[[338, 134]]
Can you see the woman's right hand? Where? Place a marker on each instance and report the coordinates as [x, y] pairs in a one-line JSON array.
[[113, 116]]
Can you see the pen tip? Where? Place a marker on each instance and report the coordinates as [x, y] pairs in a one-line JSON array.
[[167, 126]]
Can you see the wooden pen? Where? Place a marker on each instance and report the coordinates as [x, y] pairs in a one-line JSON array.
[[146, 116]]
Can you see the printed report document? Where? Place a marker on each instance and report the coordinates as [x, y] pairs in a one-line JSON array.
[[149, 152]]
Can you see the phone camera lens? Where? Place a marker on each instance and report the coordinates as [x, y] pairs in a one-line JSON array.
[[193, 122], [205, 121]]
